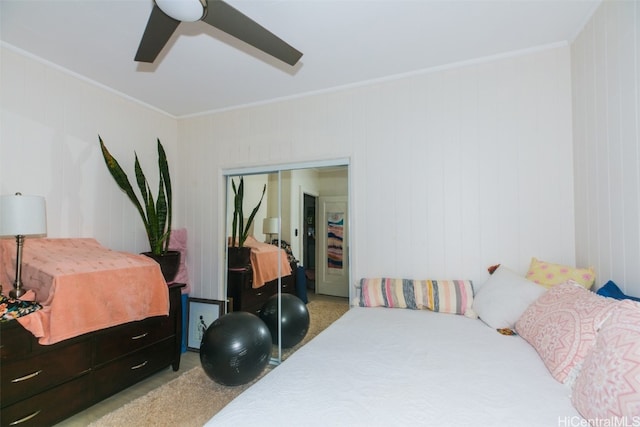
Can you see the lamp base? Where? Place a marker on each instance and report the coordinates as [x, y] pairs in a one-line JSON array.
[[16, 293], [18, 290]]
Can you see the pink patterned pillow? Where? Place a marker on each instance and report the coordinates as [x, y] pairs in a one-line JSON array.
[[608, 386], [562, 324]]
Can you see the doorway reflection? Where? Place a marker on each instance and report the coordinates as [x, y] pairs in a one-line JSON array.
[[309, 241]]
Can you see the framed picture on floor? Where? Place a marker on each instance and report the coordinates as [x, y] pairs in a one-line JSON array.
[[200, 314]]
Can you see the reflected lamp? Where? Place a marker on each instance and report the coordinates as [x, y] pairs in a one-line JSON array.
[[270, 226]]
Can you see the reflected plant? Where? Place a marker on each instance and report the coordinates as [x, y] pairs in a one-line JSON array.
[[240, 230]]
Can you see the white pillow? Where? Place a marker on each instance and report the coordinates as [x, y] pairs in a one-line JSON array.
[[503, 298]]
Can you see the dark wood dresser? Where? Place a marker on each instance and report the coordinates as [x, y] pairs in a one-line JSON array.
[[246, 297], [44, 384]]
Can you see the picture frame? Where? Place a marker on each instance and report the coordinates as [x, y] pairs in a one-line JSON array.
[[200, 314]]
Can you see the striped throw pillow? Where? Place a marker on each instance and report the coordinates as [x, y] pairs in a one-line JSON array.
[[386, 292], [446, 296]]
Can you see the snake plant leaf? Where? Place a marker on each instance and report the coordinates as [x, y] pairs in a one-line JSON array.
[[161, 215], [152, 224], [120, 176], [155, 214], [240, 206], [253, 214], [141, 180], [240, 230], [234, 226], [165, 181]]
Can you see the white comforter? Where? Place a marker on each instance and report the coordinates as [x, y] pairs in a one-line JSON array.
[[399, 367]]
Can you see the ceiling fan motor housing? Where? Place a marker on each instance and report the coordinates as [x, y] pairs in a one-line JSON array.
[[183, 10]]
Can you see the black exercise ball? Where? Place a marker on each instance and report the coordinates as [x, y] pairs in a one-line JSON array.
[[294, 317], [235, 348]]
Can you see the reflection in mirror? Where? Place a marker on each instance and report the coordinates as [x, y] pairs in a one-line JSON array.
[[290, 251]]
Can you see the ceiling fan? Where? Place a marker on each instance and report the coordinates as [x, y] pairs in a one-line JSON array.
[[167, 14]]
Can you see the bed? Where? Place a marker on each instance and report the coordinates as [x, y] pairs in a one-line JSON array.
[[389, 365], [108, 320]]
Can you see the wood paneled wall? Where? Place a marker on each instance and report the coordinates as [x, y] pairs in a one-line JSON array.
[[606, 120], [450, 170], [49, 126]]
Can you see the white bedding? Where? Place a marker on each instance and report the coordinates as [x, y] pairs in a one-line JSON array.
[[387, 367]]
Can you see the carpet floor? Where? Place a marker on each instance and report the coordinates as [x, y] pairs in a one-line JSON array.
[[193, 398]]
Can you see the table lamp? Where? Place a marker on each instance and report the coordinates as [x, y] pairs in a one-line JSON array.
[[21, 216], [270, 227]]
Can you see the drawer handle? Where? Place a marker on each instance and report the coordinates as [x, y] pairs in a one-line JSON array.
[[133, 368], [137, 337], [26, 377], [22, 420]]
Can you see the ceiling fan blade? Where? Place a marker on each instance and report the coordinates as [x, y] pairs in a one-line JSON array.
[[156, 34], [233, 22]]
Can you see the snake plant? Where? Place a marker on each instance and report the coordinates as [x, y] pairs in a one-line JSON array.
[[156, 215], [240, 230]]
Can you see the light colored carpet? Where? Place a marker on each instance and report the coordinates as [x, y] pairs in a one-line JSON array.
[[193, 398]]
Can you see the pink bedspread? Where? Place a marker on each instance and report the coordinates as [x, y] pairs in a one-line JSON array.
[[264, 261], [83, 286]]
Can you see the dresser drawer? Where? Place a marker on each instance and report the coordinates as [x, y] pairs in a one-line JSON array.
[[25, 377], [125, 339], [51, 406], [261, 295], [128, 370], [288, 284], [15, 341], [257, 296]]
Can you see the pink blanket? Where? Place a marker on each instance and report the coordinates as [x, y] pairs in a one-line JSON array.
[[264, 261], [83, 286]]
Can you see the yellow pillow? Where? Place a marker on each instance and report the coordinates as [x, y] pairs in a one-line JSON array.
[[549, 275]]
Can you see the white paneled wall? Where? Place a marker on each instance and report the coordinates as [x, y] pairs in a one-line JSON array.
[[450, 171], [49, 126], [606, 119]]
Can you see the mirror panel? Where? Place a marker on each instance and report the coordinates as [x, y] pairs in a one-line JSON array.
[[292, 195]]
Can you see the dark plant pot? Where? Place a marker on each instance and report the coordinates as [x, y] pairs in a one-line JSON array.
[[169, 263], [238, 257]]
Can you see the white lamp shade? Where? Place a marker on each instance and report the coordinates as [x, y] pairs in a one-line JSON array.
[[270, 226], [22, 215], [182, 10]]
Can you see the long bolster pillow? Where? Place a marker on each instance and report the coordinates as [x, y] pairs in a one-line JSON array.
[[444, 296]]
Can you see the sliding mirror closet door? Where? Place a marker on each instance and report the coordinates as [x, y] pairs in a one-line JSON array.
[[256, 265], [286, 237]]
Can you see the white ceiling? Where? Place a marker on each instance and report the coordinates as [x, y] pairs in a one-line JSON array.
[[344, 42]]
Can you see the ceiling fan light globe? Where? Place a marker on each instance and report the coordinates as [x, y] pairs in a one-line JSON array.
[[182, 10]]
